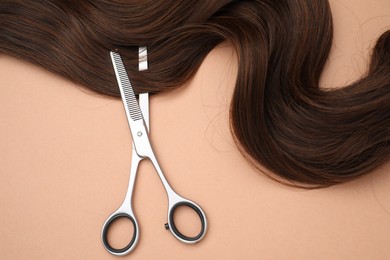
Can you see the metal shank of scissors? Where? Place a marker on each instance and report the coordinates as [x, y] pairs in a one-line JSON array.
[[142, 149]]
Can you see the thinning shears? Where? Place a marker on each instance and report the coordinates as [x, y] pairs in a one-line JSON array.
[[138, 119]]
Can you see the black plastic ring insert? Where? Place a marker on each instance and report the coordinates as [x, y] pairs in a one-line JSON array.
[[174, 228], [107, 227]]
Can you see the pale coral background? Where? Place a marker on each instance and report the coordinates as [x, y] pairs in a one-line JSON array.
[[65, 159]]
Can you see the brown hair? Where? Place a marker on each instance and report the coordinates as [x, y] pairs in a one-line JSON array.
[[280, 118]]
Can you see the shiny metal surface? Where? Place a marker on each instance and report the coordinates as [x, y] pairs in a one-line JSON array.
[[138, 119]]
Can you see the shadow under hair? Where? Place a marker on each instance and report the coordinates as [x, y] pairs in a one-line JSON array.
[[279, 116]]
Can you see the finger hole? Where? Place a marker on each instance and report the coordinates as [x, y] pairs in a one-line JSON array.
[[187, 221], [119, 233]]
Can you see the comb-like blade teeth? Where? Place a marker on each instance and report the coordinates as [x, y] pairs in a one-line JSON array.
[[125, 87]]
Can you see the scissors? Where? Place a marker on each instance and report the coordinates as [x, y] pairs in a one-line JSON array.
[[138, 119]]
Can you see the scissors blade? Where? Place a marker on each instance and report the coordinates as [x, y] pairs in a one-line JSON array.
[[142, 58], [133, 110], [143, 98]]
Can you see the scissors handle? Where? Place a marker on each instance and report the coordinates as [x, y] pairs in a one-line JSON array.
[[124, 211], [173, 227], [106, 227]]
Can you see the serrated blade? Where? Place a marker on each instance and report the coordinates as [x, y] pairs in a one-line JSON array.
[[132, 108]]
